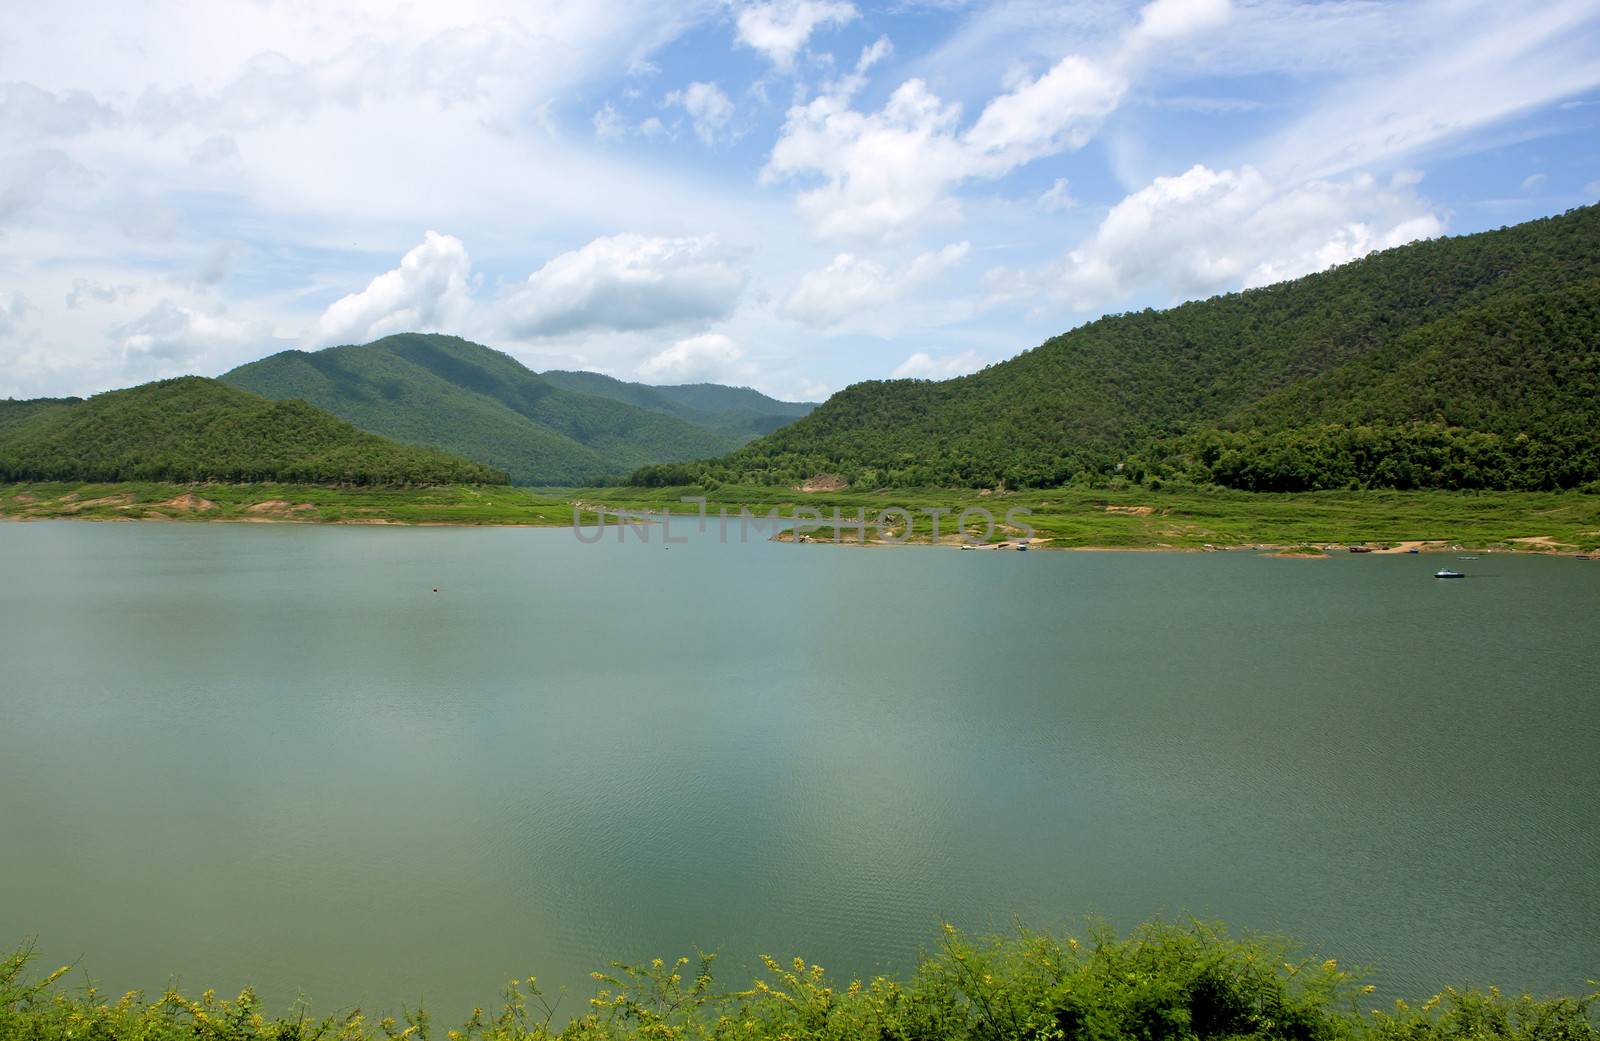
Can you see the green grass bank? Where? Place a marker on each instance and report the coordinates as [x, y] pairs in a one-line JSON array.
[[1131, 518]]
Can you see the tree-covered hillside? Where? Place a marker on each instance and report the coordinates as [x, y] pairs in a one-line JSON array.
[[13, 412], [739, 410], [193, 429], [1475, 358], [462, 397]]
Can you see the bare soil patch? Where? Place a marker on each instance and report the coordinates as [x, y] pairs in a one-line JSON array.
[[823, 483], [189, 503]]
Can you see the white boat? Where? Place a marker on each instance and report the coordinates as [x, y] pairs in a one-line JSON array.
[[1445, 572]]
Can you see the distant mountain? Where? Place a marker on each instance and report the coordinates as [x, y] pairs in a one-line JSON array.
[[462, 397], [739, 410], [1458, 362], [193, 429]]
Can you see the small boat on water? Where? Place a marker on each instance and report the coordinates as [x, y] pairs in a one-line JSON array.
[[1361, 549], [1022, 547], [1584, 556], [1466, 558], [1413, 551], [1445, 572]]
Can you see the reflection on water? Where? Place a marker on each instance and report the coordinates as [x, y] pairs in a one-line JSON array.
[[272, 754]]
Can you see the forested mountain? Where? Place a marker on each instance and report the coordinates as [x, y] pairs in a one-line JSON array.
[[13, 411], [462, 397], [739, 410], [1457, 362], [194, 429]]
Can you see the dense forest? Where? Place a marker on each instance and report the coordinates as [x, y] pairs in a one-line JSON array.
[[739, 410], [1468, 362], [461, 397], [193, 429]]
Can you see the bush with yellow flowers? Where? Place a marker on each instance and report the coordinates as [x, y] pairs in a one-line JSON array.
[[1162, 982]]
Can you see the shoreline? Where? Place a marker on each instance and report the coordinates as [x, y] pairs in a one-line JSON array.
[[1078, 520], [1276, 551]]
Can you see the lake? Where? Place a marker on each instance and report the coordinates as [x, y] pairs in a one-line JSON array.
[[271, 754]]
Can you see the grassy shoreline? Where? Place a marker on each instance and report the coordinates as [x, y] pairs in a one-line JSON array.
[[1067, 518]]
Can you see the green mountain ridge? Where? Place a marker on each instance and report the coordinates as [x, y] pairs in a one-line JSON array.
[[741, 410], [195, 429], [1455, 362], [448, 393]]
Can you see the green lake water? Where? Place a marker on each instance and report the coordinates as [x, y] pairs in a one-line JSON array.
[[271, 754]]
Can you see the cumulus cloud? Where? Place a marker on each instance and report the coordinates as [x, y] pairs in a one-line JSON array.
[[218, 148], [12, 309], [1206, 231], [85, 290], [924, 366], [626, 283], [708, 107], [20, 363], [174, 338], [883, 173], [852, 285], [430, 290], [708, 358], [29, 179], [1175, 19], [30, 112], [780, 28]]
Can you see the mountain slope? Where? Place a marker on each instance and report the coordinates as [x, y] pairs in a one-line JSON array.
[[739, 410], [1127, 389], [193, 429], [465, 398], [13, 412]]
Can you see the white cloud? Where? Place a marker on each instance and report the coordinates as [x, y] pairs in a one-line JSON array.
[[172, 339], [1206, 231], [780, 28], [708, 107], [33, 178], [429, 291], [708, 358], [29, 112], [853, 285], [1057, 197], [885, 173], [85, 290], [626, 282], [924, 366], [12, 309], [1534, 182], [1469, 63], [1166, 20], [609, 124], [218, 148]]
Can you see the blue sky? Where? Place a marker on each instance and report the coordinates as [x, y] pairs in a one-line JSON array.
[[788, 194]]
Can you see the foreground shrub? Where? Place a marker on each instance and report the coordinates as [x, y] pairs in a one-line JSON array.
[[1160, 983]]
